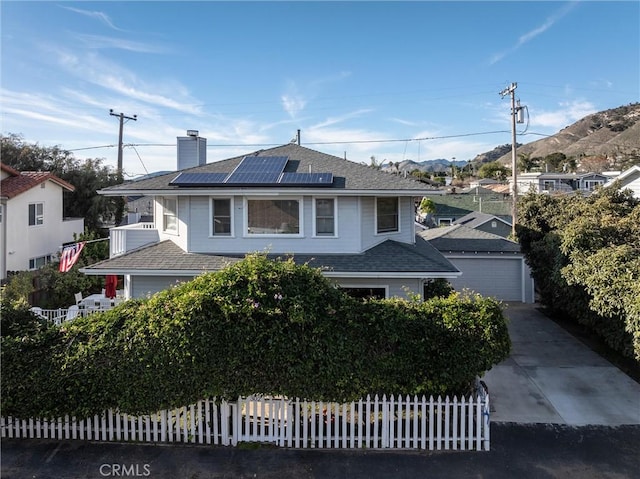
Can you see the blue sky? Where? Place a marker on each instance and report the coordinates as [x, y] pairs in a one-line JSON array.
[[394, 80]]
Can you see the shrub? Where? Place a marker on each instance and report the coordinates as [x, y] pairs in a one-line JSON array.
[[258, 326]]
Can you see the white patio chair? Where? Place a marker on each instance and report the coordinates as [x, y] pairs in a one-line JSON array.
[[73, 312], [105, 303], [78, 297]]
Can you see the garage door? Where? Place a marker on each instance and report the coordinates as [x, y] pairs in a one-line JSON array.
[[490, 276]]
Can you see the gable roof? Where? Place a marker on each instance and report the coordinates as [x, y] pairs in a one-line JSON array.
[[462, 239], [18, 182], [387, 259], [348, 177], [477, 218], [626, 177]]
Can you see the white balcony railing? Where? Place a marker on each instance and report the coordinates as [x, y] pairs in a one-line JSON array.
[[129, 237]]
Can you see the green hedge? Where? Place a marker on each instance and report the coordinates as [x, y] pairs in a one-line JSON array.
[[584, 255], [258, 326]]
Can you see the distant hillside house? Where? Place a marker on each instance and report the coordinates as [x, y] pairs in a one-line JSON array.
[[32, 226], [558, 182]]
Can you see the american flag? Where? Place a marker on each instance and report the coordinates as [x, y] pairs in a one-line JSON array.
[[70, 255]]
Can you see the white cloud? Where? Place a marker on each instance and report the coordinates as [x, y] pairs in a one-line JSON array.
[[101, 16], [530, 35], [568, 112], [100, 71]]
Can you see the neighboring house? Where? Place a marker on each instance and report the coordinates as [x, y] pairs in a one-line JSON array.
[[628, 179], [490, 264], [32, 226], [450, 208], [485, 222], [559, 182], [483, 183], [353, 221]]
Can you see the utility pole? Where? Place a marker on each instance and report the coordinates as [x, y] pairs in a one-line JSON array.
[[510, 90], [122, 117]]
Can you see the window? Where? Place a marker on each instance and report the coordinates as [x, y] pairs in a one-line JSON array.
[[366, 292], [548, 185], [35, 263], [221, 216], [590, 185], [169, 219], [36, 214], [268, 217], [445, 221], [325, 215], [387, 215]]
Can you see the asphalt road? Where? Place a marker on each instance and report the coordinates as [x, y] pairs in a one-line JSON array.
[[518, 451]]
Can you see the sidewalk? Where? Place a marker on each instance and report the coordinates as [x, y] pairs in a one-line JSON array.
[[551, 377], [523, 451]]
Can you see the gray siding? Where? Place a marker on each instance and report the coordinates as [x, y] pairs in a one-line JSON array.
[[368, 222], [143, 286], [501, 277], [395, 287], [347, 240], [501, 229]]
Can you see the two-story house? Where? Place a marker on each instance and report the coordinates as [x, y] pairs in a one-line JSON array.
[[32, 225], [559, 182], [353, 221]]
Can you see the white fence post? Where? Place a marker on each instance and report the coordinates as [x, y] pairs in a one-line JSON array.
[[387, 422]]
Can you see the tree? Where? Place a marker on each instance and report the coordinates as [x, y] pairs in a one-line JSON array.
[[494, 170], [585, 257], [86, 176], [555, 161], [526, 163], [427, 206]]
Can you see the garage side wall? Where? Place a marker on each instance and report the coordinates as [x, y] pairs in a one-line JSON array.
[[505, 277]]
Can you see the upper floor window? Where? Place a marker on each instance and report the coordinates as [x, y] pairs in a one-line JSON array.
[[221, 216], [273, 216], [36, 214], [325, 217], [387, 215], [169, 218]]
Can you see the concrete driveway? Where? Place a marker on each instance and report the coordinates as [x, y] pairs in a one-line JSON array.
[[551, 377]]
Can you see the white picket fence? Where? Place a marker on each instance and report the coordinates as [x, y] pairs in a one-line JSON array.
[[372, 423]]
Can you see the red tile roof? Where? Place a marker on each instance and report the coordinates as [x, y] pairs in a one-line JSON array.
[[19, 182]]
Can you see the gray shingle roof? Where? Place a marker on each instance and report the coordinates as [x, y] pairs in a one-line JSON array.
[[459, 238], [477, 218], [387, 257], [347, 174]]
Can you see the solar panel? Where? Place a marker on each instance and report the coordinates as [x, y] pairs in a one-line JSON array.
[[198, 179], [253, 178], [256, 170], [306, 179]]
